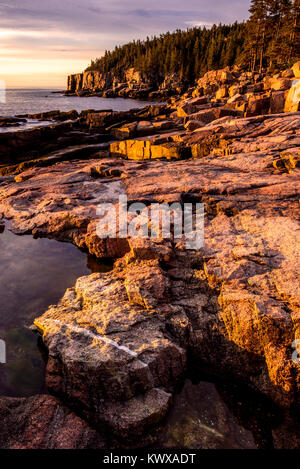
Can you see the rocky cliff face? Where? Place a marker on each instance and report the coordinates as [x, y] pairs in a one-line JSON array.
[[93, 81], [130, 83], [230, 85]]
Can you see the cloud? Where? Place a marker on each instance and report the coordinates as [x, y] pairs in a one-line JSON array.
[[41, 29], [199, 24], [110, 15]]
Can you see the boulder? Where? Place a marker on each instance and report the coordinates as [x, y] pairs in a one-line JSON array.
[[277, 102], [191, 125], [125, 132], [145, 128], [222, 92], [162, 125], [292, 102], [296, 70], [43, 422], [172, 150], [258, 105], [206, 116], [234, 90], [224, 111], [280, 84], [198, 92], [11, 121], [226, 76], [131, 378], [288, 73], [235, 98], [141, 149], [198, 101], [185, 109]]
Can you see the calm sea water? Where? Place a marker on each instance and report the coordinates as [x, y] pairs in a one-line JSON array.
[[32, 101], [34, 274]]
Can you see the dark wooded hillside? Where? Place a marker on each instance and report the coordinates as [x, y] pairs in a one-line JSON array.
[[269, 39]]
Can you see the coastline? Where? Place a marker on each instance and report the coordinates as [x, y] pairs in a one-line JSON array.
[[230, 307]]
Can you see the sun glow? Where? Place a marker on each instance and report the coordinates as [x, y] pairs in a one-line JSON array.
[[30, 58], [11, 33]]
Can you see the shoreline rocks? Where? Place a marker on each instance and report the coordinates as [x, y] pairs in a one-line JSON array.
[[221, 85], [120, 343], [238, 313]]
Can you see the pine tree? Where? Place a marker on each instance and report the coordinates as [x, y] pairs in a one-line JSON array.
[[256, 32], [293, 28], [269, 39], [278, 29]]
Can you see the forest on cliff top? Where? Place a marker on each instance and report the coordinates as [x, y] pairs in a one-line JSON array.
[[269, 39]]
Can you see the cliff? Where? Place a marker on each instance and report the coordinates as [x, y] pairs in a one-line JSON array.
[[231, 86], [127, 84], [97, 81]]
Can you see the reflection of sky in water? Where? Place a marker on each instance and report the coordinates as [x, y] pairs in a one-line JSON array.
[[33, 101], [34, 273]]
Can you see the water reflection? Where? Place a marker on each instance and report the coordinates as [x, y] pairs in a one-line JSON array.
[[34, 273]]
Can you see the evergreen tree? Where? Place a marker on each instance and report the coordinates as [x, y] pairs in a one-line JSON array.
[[270, 38], [293, 31], [279, 28], [188, 53], [256, 32]]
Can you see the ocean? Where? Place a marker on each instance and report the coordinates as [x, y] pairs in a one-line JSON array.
[[32, 101]]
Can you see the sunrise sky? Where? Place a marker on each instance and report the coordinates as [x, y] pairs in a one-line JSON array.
[[43, 41]]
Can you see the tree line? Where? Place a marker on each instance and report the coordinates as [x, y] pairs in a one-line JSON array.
[[269, 39], [273, 36]]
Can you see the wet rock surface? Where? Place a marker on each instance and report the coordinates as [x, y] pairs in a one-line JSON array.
[[120, 343]]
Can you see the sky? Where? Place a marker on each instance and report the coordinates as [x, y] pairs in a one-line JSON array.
[[42, 41]]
